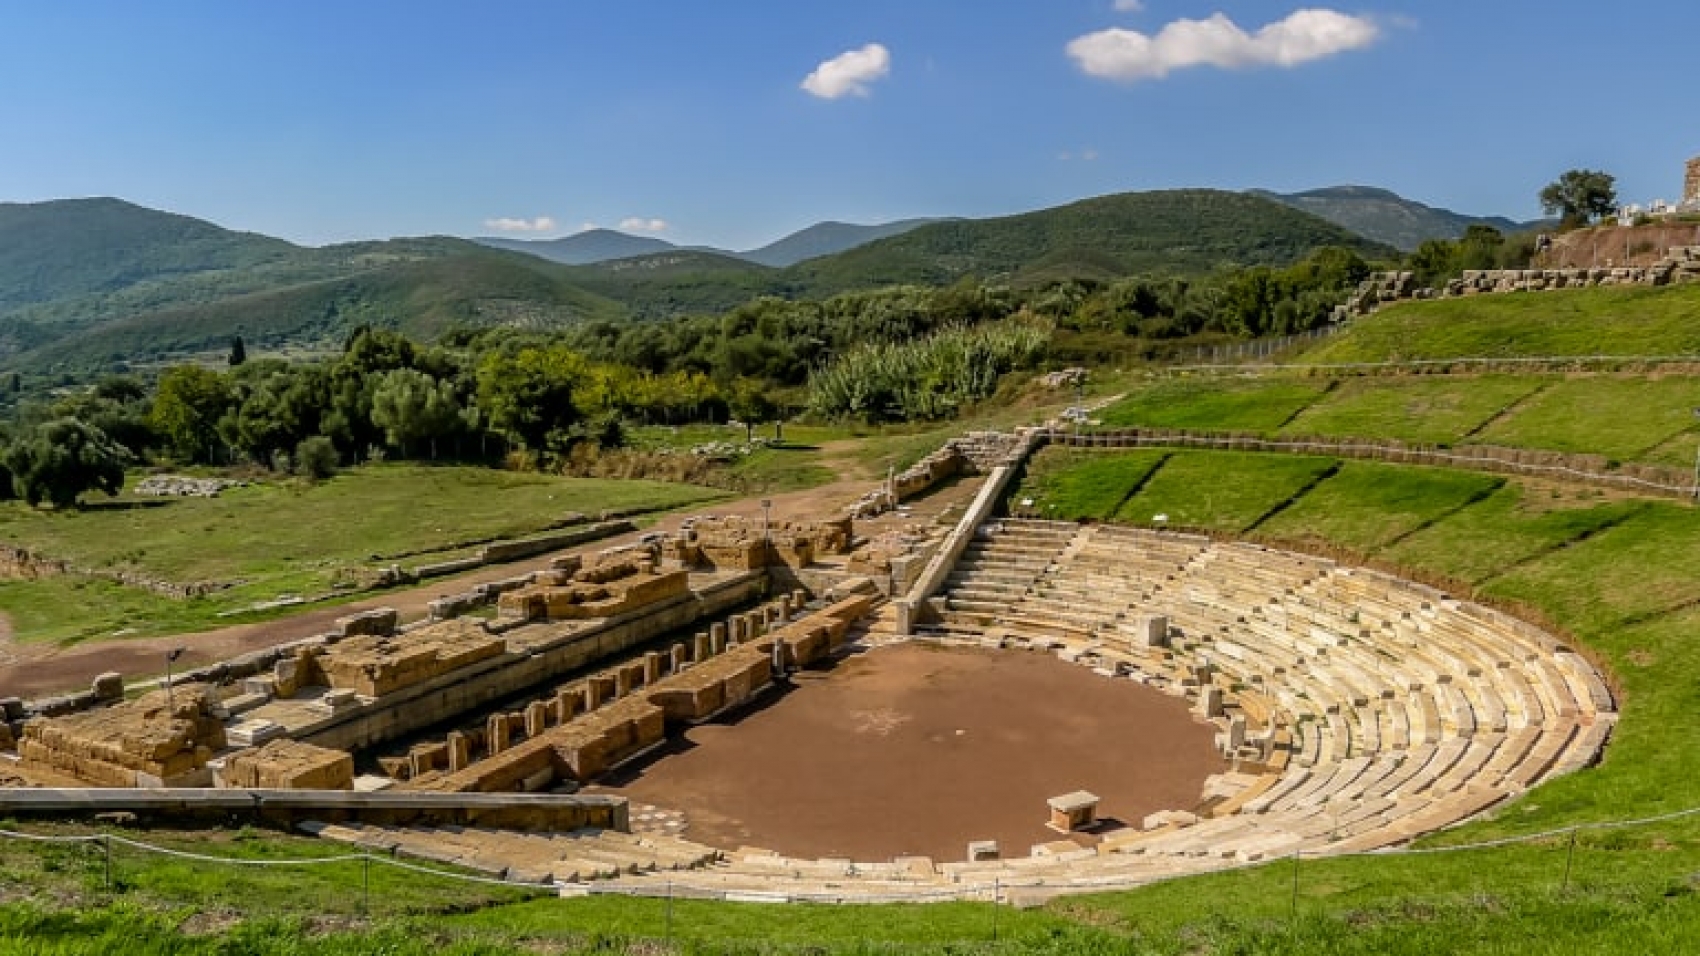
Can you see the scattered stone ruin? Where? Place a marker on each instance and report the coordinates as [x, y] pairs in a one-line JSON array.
[[1680, 264]]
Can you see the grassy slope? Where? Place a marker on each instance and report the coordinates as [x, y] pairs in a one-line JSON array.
[[1624, 321], [277, 539]]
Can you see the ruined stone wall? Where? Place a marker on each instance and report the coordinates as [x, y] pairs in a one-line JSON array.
[[1679, 264], [288, 765], [21, 564], [373, 665], [603, 590], [158, 739]]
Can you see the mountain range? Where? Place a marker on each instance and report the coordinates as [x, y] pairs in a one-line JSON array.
[[1387, 217], [91, 285], [603, 245]]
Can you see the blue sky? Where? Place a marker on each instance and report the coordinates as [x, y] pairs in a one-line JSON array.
[[734, 123]]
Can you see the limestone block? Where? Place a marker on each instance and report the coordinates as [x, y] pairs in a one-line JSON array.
[[535, 721], [251, 733], [108, 686], [1210, 702], [460, 751]]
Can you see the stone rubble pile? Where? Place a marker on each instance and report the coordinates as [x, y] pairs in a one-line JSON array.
[[183, 486]]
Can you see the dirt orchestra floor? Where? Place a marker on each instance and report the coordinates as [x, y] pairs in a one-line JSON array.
[[917, 749]]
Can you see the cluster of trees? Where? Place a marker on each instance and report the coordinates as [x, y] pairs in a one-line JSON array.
[[1242, 303]]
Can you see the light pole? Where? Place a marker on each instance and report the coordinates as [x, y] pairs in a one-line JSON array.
[[1696, 483], [170, 657]]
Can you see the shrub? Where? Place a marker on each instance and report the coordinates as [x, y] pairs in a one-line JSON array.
[[316, 458]]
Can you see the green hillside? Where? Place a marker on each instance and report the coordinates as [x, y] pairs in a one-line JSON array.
[[680, 282], [60, 250], [420, 297], [1189, 231]]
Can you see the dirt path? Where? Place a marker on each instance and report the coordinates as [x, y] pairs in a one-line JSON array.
[[31, 670], [923, 748]]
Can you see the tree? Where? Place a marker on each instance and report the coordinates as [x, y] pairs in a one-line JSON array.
[[63, 459], [528, 395], [410, 405], [186, 408], [1580, 196]]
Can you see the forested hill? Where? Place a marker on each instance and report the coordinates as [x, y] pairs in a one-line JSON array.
[[1182, 232], [67, 248]]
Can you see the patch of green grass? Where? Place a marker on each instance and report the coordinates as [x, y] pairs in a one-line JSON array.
[[1252, 405], [1070, 485], [1623, 321], [1367, 505], [1507, 527], [773, 924], [73, 608], [1619, 417], [1437, 409], [1641, 567], [1222, 491], [782, 468]]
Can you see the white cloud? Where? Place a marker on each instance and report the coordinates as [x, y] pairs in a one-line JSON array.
[[510, 224], [1305, 35], [1129, 6], [640, 224], [849, 73]]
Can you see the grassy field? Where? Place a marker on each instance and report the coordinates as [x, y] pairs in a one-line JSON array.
[[285, 538]]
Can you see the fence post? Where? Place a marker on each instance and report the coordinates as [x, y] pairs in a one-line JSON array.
[[1293, 913], [1569, 855]]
